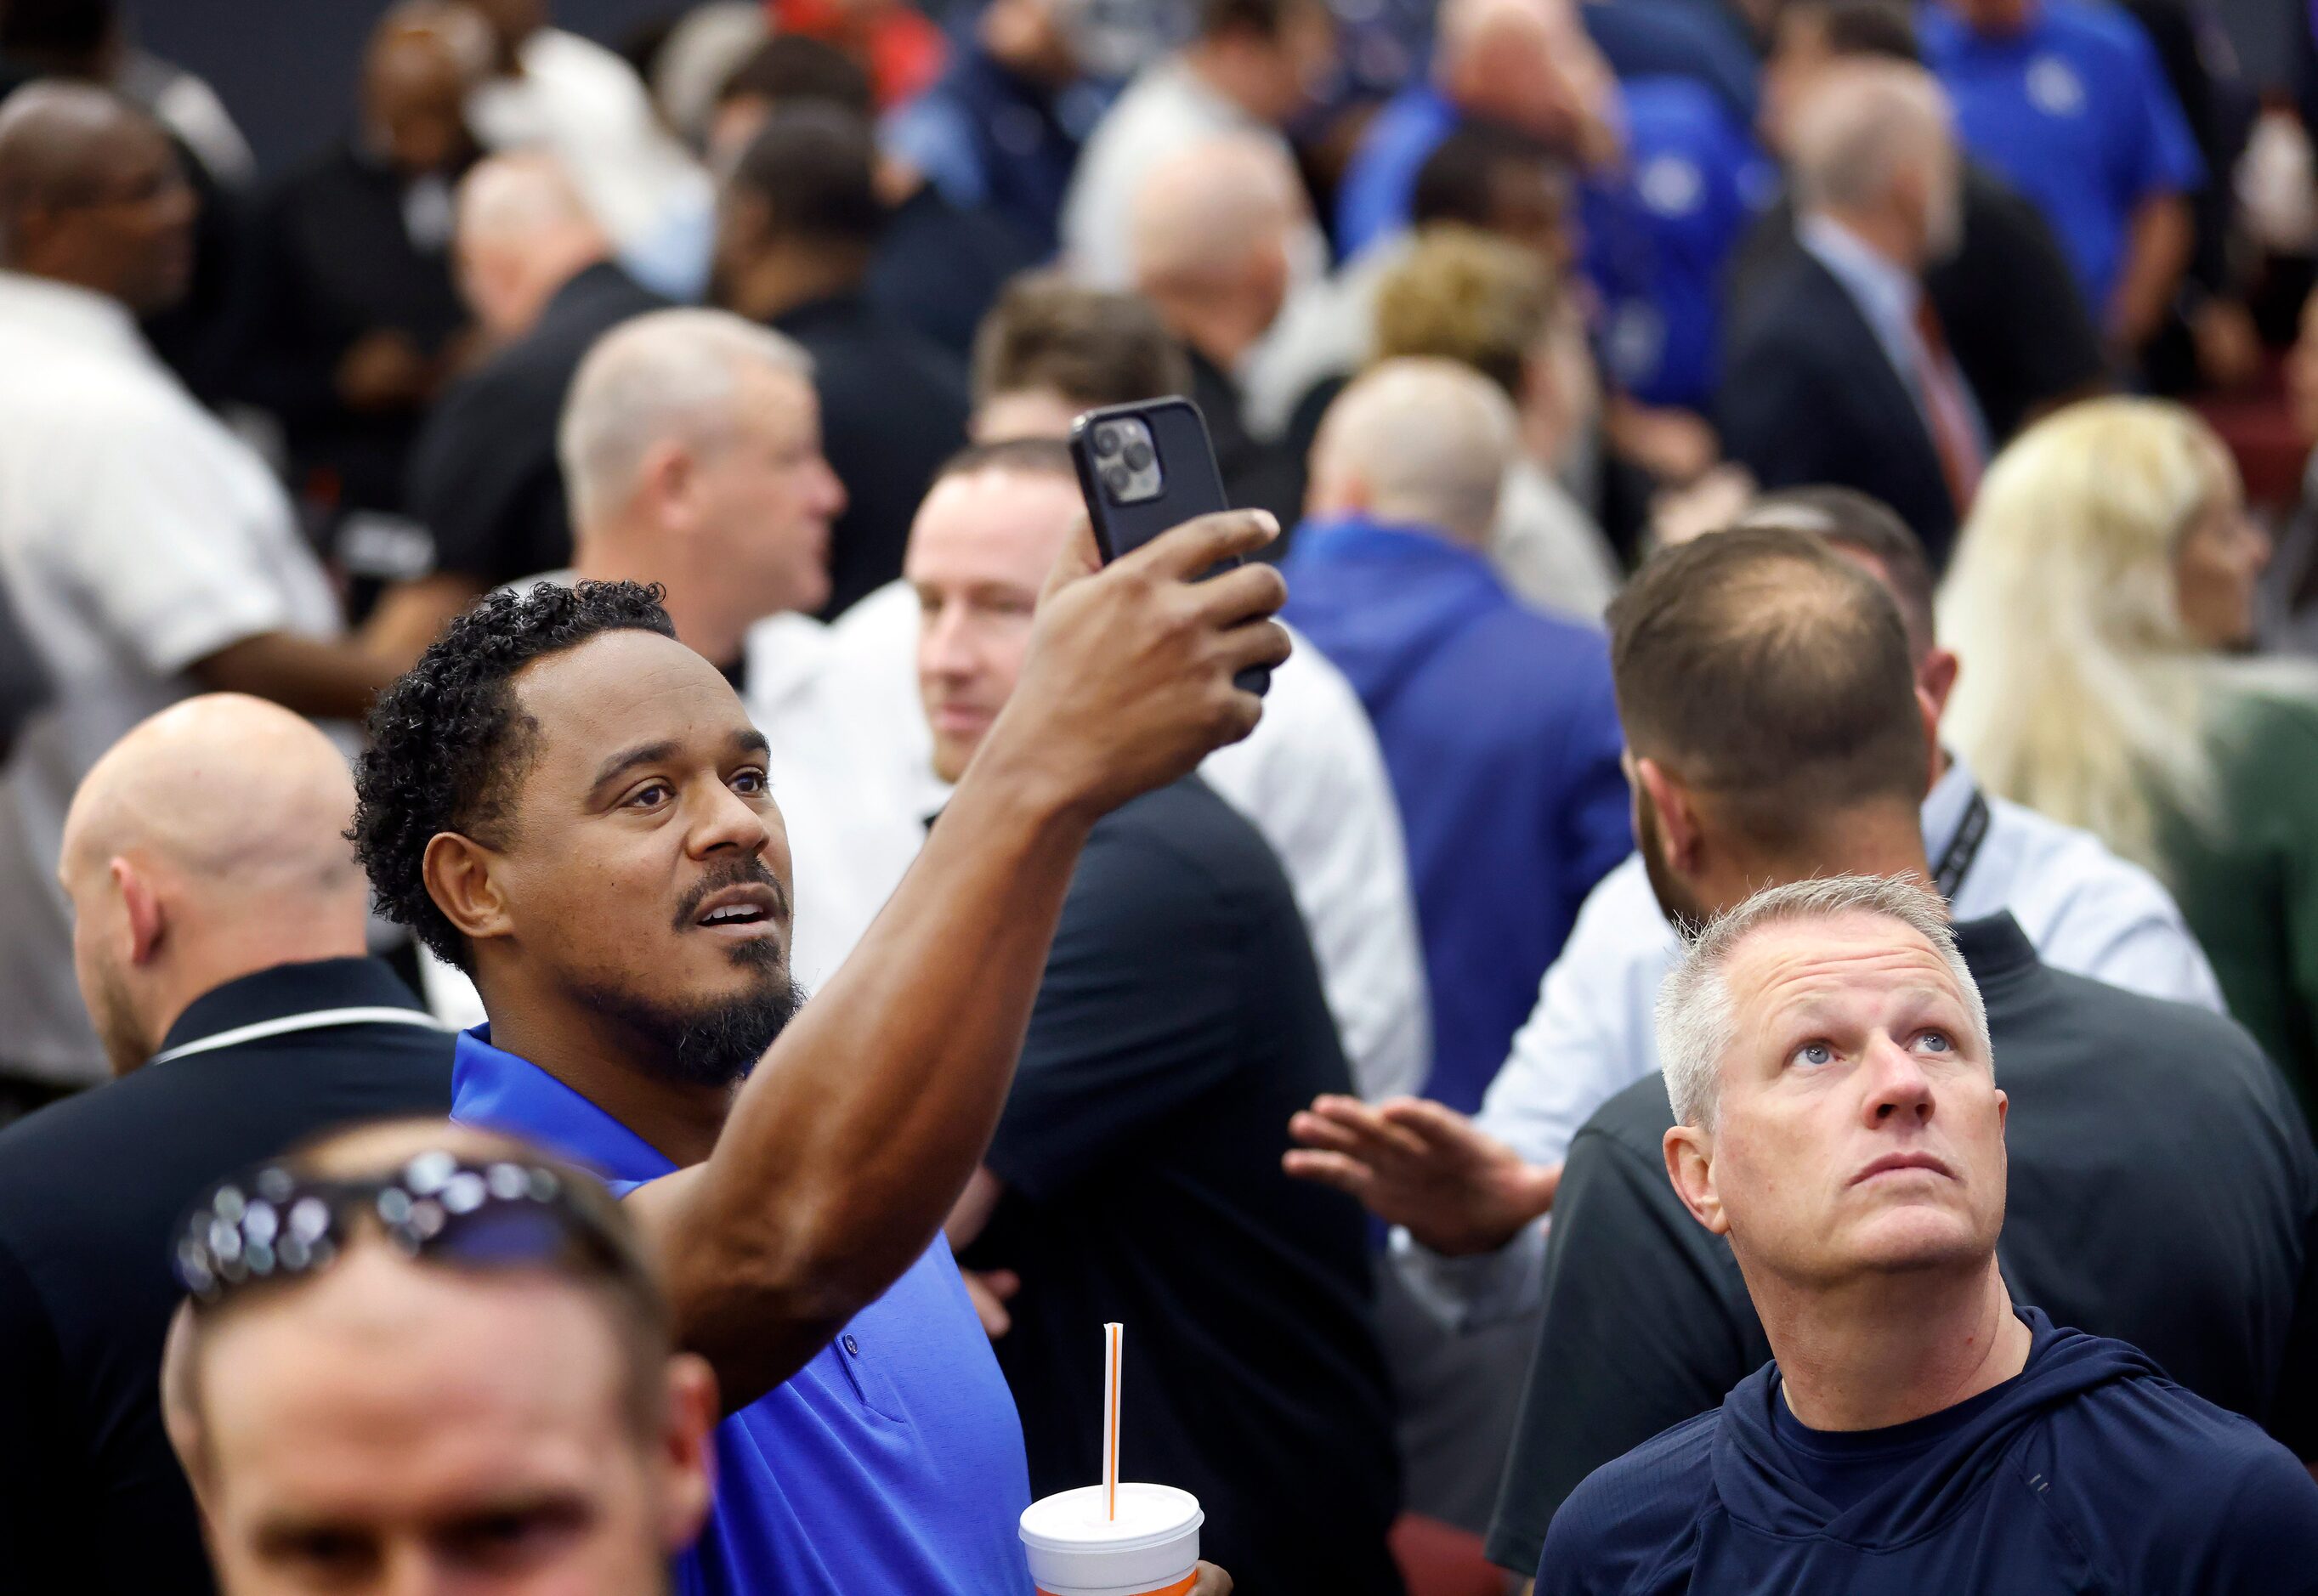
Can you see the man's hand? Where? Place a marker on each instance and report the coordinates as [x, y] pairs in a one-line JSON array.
[[1420, 1165], [1128, 681], [1212, 1581], [989, 1291]]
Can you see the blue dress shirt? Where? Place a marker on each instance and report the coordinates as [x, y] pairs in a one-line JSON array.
[[891, 1465], [2074, 112], [1501, 738]]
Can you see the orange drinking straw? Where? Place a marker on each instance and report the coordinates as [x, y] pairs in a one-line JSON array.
[[1111, 1336]]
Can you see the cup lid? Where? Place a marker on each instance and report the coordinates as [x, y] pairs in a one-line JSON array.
[[1148, 1516]]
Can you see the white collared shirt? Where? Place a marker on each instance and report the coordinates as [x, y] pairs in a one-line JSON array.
[[1591, 1034], [137, 536], [1311, 778]]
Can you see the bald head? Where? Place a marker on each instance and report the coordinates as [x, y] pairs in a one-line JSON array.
[[1204, 209], [91, 193], [1525, 64], [1871, 145], [1416, 442], [524, 230], [206, 844]]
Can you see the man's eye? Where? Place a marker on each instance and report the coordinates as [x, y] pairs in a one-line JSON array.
[[513, 1540], [750, 783], [650, 797], [1936, 1042], [1816, 1054]]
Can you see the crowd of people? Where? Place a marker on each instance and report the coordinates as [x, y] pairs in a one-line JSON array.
[[619, 938]]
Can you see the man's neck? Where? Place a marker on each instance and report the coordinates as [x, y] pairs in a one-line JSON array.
[[1220, 338], [1883, 841], [781, 279], [1887, 1348], [1882, 236], [612, 1067], [1210, 67], [711, 628], [298, 942]]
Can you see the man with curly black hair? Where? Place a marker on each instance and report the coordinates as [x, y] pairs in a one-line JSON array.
[[573, 806]]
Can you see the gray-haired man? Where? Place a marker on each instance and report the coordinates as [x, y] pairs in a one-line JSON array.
[[1827, 1056]]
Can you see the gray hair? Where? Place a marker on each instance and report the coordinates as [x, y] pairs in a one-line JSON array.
[[1696, 1027], [666, 373], [1860, 127]]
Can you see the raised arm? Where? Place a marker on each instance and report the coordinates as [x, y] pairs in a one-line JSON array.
[[856, 1133]]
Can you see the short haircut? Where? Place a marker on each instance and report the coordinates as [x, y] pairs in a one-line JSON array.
[[1863, 28], [1466, 296], [662, 373], [1696, 1027], [1263, 17], [1042, 457], [622, 1282], [793, 69], [1772, 676], [1853, 520], [813, 166], [1089, 344], [1459, 180], [1862, 124], [449, 745]]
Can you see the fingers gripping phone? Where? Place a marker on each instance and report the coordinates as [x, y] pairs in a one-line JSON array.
[[1145, 468]]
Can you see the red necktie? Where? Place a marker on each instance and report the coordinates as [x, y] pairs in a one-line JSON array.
[[1947, 413]]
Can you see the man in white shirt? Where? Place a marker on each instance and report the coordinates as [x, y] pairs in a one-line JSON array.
[[1471, 1201], [148, 552], [1252, 65]]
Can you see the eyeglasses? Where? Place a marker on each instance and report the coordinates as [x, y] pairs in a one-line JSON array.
[[274, 1225]]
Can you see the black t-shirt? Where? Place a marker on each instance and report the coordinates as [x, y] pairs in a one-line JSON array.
[[92, 1499], [483, 475], [1180, 1022], [2007, 300], [2162, 1191], [893, 409]]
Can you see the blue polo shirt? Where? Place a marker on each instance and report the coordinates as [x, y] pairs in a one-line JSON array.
[[891, 1465], [2074, 112], [1657, 234]]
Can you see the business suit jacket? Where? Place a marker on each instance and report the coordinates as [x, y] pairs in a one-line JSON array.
[[1809, 395], [91, 1189]]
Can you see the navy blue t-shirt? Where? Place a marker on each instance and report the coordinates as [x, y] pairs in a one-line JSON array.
[[2088, 1471]]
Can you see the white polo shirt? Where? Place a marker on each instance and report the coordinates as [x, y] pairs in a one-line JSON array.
[[1593, 1032], [1311, 778], [137, 536]]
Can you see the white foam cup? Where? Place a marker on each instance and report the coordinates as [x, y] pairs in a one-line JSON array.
[[1151, 1548]]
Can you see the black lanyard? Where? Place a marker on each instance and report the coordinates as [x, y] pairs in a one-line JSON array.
[[1949, 875]]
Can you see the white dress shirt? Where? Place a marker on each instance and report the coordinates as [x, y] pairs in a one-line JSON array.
[[136, 537], [1591, 1034], [1311, 778]]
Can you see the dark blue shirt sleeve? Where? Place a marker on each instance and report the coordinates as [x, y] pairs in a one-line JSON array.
[[2255, 1532]]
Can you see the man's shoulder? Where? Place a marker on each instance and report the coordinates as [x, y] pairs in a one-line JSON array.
[[2179, 1467], [1176, 855], [1632, 1514], [2055, 871], [1635, 1122], [2101, 32]]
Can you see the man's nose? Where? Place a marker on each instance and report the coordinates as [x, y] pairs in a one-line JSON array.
[[1897, 1085], [729, 821], [946, 651]]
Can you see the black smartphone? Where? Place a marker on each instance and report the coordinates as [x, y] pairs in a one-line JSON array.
[[1145, 468]]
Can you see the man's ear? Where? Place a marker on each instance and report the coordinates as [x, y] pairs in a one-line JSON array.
[[1931, 713], [143, 922], [665, 476], [1936, 679], [1678, 827], [457, 871], [688, 1450], [1690, 1166]]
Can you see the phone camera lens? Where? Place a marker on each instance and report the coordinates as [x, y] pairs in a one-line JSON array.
[[1105, 440], [1138, 455], [1118, 479]]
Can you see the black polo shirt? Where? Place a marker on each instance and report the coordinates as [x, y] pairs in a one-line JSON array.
[[1179, 1023], [91, 1498], [2162, 1191], [483, 474]]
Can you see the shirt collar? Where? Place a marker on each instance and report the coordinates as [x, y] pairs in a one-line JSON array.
[[492, 1087], [68, 311], [1882, 289], [1944, 808], [285, 989]]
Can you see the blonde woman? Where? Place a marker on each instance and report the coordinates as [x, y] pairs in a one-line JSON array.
[[2102, 591]]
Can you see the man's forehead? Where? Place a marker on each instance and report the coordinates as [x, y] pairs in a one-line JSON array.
[[625, 686], [993, 526], [1788, 962]]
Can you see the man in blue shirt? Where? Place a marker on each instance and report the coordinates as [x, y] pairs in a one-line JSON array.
[[1838, 1117], [1498, 722], [1673, 178], [573, 807], [2067, 102]]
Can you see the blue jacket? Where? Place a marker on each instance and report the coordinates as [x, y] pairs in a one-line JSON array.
[[2090, 1471], [1502, 740]]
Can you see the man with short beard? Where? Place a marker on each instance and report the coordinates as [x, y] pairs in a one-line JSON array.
[[573, 806]]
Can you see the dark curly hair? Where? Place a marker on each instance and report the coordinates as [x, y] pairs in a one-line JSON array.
[[448, 744]]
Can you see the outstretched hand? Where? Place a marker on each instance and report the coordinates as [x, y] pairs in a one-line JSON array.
[[1415, 1163]]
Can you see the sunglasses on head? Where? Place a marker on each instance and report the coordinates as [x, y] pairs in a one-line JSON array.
[[272, 1224]]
